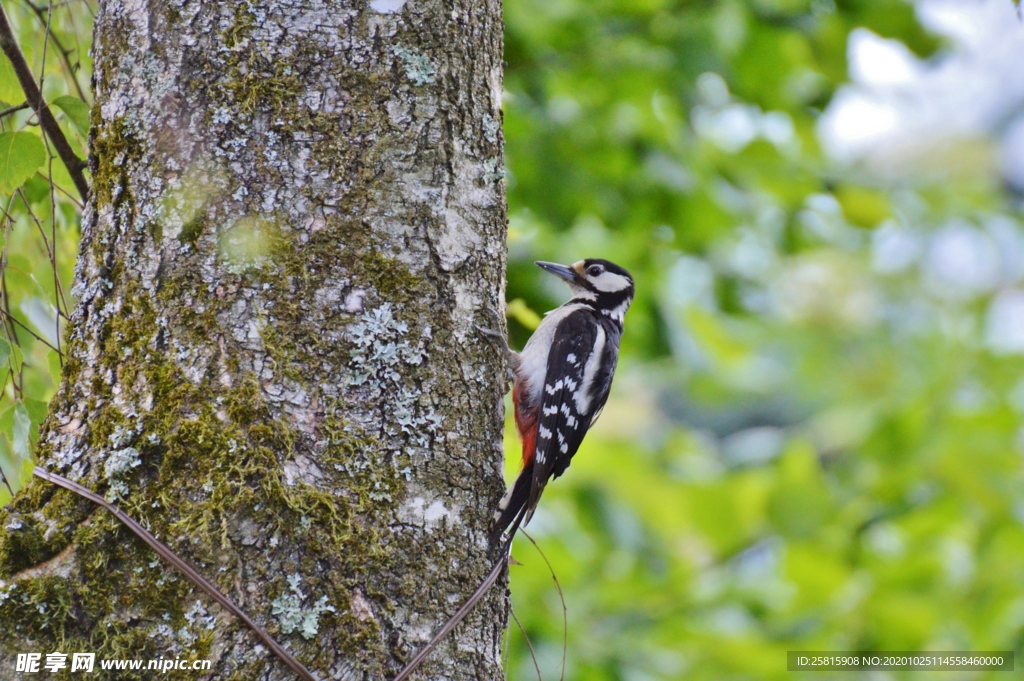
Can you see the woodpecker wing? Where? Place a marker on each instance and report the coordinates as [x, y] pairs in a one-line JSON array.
[[575, 389]]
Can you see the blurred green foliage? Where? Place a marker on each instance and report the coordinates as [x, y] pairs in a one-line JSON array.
[[41, 215], [805, 448]]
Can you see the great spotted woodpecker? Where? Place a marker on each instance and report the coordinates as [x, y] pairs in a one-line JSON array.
[[561, 381]]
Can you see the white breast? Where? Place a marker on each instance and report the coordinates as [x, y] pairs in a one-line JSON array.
[[533, 360]]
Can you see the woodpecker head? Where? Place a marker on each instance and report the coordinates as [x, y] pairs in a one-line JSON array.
[[604, 285]]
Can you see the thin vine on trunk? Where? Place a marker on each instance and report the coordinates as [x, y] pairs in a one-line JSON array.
[[297, 213]]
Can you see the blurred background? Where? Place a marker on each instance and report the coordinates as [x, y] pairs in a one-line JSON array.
[[815, 438]]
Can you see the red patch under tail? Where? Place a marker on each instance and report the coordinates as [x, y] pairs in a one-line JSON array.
[[526, 423]]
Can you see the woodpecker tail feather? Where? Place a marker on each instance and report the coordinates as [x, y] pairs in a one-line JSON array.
[[509, 511]]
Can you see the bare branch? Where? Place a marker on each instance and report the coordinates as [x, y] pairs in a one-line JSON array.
[[527, 637], [184, 568], [6, 484], [13, 109], [459, 615], [561, 596], [32, 333], [42, 15], [63, 191], [9, 45]]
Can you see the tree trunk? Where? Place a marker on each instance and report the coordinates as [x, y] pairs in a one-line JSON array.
[[297, 214]]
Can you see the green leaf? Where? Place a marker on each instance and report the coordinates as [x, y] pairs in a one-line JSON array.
[[53, 362], [21, 153], [521, 312], [10, 89], [17, 357], [22, 426], [77, 112], [863, 206], [5, 351], [36, 409], [10, 466]]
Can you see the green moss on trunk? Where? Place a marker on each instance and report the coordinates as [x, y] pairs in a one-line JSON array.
[[269, 366]]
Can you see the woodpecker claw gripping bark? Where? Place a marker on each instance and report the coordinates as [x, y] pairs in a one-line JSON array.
[[498, 338]]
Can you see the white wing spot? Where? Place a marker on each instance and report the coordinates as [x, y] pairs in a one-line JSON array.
[[544, 433], [550, 411], [571, 358], [564, 449], [582, 396]]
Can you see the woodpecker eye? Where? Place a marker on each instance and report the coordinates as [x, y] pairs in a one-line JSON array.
[[594, 270]]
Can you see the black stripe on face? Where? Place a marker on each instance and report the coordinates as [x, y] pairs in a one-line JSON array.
[[612, 299], [604, 303], [604, 300]]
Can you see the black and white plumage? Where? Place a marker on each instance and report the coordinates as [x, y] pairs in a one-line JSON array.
[[562, 379]]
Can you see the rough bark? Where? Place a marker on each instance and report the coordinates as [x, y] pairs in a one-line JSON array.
[[297, 213]]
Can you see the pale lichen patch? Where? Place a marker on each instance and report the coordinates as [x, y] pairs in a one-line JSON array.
[[417, 65], [293, 615], [421, 512], [387, 6]]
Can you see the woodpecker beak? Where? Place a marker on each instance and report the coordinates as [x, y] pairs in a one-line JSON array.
[[563, 271]]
